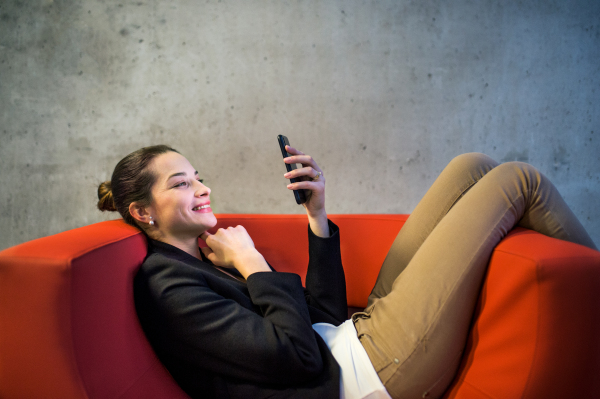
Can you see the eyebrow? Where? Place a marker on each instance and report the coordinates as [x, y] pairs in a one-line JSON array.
[[181, 174]]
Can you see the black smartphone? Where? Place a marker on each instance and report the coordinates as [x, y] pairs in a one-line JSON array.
[[300, 195]]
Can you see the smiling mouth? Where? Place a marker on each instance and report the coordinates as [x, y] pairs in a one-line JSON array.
[[200, 207]]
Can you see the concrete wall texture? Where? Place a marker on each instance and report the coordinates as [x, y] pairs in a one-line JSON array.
[[382, 93]]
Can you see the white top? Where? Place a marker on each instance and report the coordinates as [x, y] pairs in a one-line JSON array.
[[358, 379]]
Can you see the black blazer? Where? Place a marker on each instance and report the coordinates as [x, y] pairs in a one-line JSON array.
[[221, 337]]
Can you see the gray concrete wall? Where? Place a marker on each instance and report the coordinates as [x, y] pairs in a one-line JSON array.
[[382, 93]]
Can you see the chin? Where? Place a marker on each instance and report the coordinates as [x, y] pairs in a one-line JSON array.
[[214, 222], [209, 224]]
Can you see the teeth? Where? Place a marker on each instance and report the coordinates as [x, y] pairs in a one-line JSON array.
[[200, 207]]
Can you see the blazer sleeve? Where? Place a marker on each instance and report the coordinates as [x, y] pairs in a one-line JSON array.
[[274, 343], [325, 279]]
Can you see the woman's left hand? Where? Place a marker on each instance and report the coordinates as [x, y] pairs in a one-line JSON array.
[[313, 181]]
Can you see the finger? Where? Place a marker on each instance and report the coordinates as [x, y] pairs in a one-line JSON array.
[[306, 185], [210, 255], [299, 158], [308, 172], [293, 150], [294, 153], [305, 160], [205, 235]]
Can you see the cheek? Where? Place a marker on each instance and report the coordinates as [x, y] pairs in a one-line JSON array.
[[170, 208], [178, 207], [164, 208]]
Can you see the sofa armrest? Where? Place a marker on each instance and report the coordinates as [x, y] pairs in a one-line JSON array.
[[537, 322], [68, 323]]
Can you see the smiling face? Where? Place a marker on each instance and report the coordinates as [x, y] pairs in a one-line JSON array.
[[180, 202]]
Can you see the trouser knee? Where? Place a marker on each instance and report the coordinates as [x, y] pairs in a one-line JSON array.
[[520, 170], [472, 161]]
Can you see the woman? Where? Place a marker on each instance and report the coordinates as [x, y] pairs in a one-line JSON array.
[[224, 325]]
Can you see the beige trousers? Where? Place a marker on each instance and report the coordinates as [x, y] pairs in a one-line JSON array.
[[416, 325]]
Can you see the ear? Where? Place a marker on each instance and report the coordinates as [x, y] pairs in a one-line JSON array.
[[139, 212]]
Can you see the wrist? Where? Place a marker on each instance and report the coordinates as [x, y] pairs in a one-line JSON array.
[[319, 224], [249, 262]]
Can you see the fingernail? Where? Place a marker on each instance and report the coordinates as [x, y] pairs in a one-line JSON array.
[[289, 186], [286, 175]]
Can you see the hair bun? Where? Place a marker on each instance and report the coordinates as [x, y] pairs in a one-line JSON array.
[[105, 197]]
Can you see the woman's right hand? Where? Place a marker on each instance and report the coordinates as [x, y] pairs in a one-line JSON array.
[[233, 247]]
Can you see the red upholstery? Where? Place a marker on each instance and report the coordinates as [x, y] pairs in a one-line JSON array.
[[365, 241], [68, 327], [537, 327]]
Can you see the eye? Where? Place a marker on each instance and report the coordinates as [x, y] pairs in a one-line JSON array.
[[201, 180], [180, 184]]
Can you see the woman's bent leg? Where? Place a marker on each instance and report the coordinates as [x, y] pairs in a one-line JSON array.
[[560, 222], [415, 335], [456, 179]]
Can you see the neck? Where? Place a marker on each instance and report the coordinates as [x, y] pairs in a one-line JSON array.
[[189, 245], [191, 248]]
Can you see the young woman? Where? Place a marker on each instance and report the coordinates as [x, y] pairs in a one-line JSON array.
[[225, 325]]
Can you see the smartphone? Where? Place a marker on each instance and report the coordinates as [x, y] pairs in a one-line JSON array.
[[300, 195]]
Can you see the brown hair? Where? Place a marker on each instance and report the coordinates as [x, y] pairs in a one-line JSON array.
[[131, 181]]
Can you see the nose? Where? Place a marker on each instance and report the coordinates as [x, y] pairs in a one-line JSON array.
[[201, 190]]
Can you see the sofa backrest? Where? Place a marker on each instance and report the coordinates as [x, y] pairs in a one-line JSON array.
[[365, 241]]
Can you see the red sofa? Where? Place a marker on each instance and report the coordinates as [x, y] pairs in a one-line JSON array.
[[68, 327]]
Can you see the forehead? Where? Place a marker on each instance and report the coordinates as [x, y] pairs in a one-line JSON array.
[[170, 163]]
